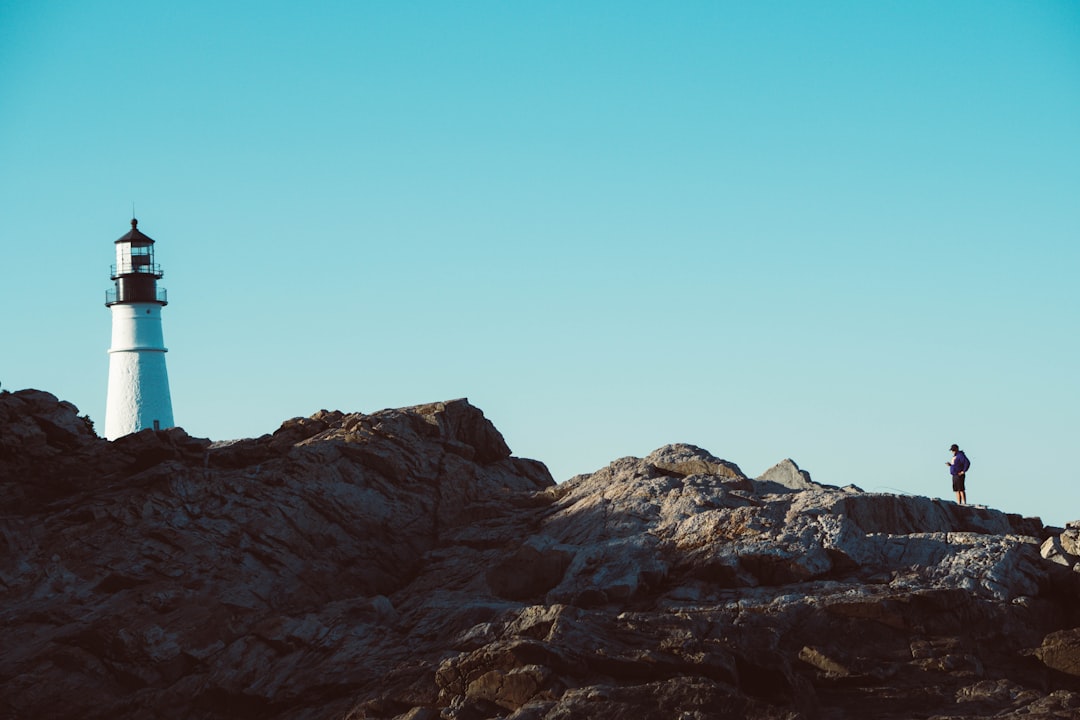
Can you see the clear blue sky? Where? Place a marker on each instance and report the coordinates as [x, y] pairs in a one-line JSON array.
[[841, 232]]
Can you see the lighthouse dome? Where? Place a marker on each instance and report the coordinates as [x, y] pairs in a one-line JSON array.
[[136, 236]]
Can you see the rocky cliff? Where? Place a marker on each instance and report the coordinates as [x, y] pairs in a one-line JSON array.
[[405, 565]]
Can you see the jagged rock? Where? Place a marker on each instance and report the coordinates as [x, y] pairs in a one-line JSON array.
[[1063, 548], [829, 666], [403, 564], [1061, 651], [682, 460], [784, 476], [36, 422], [173, 569]]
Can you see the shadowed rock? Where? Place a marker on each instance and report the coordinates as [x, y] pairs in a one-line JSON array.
[[403, 564]]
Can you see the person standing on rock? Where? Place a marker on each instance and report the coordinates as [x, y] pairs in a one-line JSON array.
[[958, 468]]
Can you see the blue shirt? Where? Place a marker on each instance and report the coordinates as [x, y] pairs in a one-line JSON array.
[[959, 463]]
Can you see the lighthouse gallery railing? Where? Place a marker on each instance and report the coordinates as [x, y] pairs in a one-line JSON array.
[[112, 296]]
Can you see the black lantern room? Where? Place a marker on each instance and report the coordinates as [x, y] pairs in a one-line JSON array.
[[135, 272]]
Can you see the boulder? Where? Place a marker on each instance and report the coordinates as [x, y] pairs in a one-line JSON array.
[[1063, 548], [784, 476], [681, 460], [1060, 651]]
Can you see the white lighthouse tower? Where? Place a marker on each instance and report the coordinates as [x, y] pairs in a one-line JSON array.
[[138, 382]]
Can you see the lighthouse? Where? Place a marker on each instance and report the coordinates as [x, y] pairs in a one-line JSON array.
[[138, 382]]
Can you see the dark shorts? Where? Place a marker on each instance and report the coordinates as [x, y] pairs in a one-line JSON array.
[[958, 483]]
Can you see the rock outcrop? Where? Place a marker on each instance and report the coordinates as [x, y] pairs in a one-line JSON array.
[[404, 564]]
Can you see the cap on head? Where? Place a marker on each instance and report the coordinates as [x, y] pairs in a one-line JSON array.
[[955, 448]]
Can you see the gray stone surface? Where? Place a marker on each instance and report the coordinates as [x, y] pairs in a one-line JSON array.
[[404, 564]]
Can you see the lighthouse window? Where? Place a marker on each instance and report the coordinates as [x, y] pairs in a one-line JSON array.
[[141, 256]]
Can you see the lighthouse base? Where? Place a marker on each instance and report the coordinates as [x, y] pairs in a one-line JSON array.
[[138, 393]]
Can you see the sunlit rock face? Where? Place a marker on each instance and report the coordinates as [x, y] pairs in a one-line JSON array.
[[404, 564]]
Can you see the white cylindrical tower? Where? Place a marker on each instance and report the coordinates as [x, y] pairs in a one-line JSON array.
[[138, 382]]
